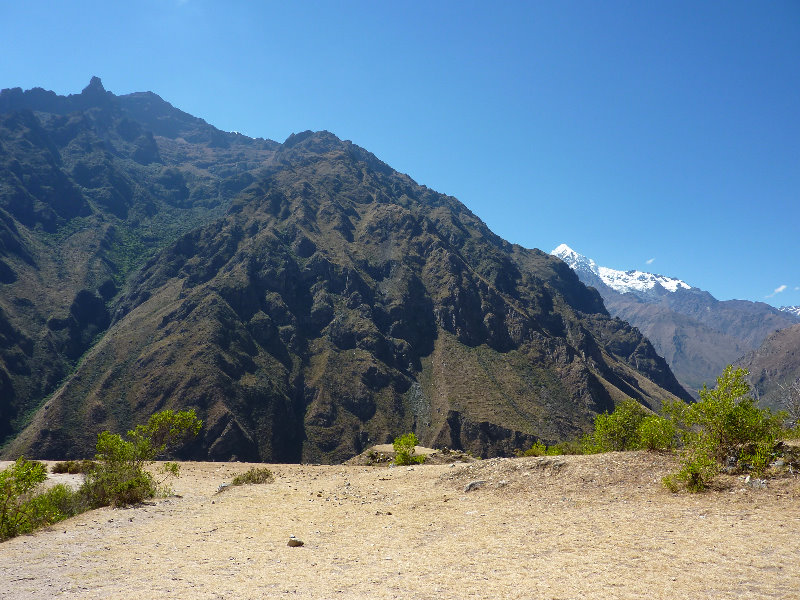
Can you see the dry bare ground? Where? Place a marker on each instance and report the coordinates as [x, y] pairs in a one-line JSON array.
[[552, 527]]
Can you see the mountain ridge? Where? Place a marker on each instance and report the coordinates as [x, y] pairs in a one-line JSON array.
[[697, 334], [334, 303], [87, 193]]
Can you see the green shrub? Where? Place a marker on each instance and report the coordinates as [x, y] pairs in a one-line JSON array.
[[566, 447], [23, 509], [616, 431], [757, 457], [404, 449], [728, 418], [253, 476], [17, 484], [657, 433], [726, 424], [539, 448], [120, 477], [696, 472], [73, 467]]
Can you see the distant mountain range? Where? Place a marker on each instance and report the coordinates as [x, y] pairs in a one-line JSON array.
[[305, 298], [793, 310], [697, 334]]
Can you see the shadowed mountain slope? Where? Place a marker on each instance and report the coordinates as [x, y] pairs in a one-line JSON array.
[[338, 304]]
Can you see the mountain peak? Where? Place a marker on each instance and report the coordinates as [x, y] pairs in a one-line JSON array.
[[792, 310], [637, 282], [95, 86]]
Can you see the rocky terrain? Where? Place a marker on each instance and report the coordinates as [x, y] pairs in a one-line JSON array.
[[599, 526], [775, 368]]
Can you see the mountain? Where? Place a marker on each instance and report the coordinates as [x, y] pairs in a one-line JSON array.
[[91, 185], [774, 366], [305, 298], [697, 334], [792, 310]]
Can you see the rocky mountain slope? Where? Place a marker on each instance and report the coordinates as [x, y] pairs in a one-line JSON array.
[[334, 305], [697, 334], [775, 366], [91, 185]]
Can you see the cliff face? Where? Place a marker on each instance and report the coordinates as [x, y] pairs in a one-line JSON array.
[[338, 304]]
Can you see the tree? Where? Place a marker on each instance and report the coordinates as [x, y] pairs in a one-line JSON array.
[[16, 486], [120, 477], [404, 448], [725, 425]]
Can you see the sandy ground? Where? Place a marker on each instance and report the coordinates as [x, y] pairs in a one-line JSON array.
[[553, 527]]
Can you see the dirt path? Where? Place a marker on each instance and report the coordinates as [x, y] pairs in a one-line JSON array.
[[554, 527]]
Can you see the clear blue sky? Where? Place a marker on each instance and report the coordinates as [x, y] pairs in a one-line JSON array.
[[633, 131]]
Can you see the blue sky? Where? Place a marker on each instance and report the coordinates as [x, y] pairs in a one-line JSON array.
[[633, 131]]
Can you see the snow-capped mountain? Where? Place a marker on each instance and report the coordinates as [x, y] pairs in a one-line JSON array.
[[697, 334], [624, 282], [792, 310]]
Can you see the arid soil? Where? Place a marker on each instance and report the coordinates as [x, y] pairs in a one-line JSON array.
[[588, 527]]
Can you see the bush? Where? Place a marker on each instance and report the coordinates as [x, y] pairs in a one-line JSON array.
[[17, 483], [657, 433], [404, 450], [120, 478], [73, 467], [725, 425], [697, 470], [618, 430], [22, 510], [567, 447], [253, 476], [728, 418], [539, 448]]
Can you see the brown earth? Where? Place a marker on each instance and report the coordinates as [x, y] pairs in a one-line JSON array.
[[552, 527]]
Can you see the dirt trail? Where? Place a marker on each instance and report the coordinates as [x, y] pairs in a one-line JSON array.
[[552, 527]]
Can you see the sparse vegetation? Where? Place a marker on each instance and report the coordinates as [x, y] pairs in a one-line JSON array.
[[405, 452], [539, 448], [254, 476], [73, 467], [117, 477]]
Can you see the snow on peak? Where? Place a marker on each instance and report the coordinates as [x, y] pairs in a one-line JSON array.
[[792, 310], [620, 281]]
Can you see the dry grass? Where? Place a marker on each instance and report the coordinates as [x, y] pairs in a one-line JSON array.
[[551, 527]]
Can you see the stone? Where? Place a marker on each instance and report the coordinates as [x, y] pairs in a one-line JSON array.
[[294, 542], [474, 485]]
